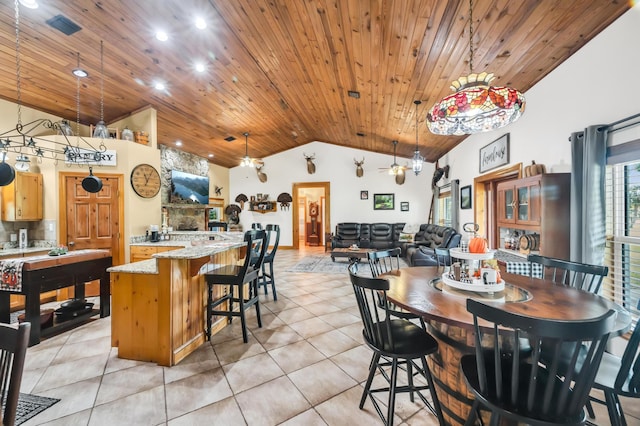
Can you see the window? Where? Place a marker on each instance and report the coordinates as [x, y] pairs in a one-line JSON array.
[[622, 247], [444, 209]]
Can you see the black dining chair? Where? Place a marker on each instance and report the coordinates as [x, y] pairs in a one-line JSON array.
[[13, 350], [619, 376], [398, 340], [266, 278], [522, 388], [574, 274], [235, 277], [384, 261]]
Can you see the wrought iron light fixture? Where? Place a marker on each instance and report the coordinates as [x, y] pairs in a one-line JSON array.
[[476, 106], [101, 130], [417, 158], [25, 139], [246, 160]]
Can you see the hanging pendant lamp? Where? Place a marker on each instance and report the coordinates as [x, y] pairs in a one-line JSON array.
[[476, 106], [417, 159], [246, 160], [101, 130]]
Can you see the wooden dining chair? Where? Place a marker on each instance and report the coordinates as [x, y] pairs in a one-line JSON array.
[[524, 389], [398, 340], [13, 349], [574, 274], [267, 277], [619, 376], [385, 261]]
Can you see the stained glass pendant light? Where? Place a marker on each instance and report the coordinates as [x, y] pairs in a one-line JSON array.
[[476, 106], [101, 130], [417, 159]]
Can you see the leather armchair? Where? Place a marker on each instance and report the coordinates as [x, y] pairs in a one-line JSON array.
[[430, 236]]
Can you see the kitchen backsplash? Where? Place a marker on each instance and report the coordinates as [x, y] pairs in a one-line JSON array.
[[39, 234]]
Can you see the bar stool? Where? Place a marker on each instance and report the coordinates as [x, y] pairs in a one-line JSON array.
[[235, 277], [13, 348], [266, 278]]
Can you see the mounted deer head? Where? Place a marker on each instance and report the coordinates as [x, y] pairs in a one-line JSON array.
[[311, 168], [261, 176], [359, 169]]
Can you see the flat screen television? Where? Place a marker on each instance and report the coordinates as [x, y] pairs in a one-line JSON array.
[[189, 188]]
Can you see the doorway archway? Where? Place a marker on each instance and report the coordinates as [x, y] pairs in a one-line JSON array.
[[300, 216]]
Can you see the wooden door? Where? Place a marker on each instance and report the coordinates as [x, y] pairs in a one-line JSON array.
[[92, 220]]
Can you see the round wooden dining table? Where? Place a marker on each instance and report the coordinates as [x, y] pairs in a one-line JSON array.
[[420, 291]]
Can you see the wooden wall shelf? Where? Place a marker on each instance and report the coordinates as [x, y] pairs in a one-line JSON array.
[[262, 206]]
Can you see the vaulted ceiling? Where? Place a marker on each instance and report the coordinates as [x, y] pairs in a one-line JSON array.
[[281, 69]]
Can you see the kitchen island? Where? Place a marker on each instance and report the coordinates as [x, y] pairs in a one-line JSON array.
[[158, 305]]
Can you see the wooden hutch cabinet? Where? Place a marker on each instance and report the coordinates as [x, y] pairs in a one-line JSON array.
[[22, 198], [539, 204]]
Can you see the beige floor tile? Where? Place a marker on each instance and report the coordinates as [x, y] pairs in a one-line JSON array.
[[221, 412], [355, 362], [353, 330], [235, 350], [71, 372], [308, 418], [251, 372], [340, 319], [294, 315], [128, 382], [115, 364], [343, 410], [321, 381], [272, 339], [296, 356], [77, 350], [77, 419], [306, 299], [272, 403], [144, 408], [201, 360], [332, 342], [322, 308], [311, 327], [192, 393], [41, 358], [74, 398]]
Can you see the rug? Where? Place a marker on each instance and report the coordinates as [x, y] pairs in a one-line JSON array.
[[324, 265], [32, 405]]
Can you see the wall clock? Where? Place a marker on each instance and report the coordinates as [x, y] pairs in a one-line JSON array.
[[145, 180]]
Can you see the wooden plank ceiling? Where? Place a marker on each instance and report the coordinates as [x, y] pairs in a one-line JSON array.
[[281, 69]]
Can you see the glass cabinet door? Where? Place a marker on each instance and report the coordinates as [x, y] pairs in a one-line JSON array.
[[523, 203], [509, 204]]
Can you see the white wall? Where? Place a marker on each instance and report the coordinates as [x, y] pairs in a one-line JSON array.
[[334, 164], [597, 85]]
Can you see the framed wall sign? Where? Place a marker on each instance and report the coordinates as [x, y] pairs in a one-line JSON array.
[[465, 197], [404, 206], [495, 154], [383, 201], [364, 195]]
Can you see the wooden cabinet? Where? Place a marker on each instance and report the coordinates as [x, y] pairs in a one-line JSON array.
[[137, 253], [538, 204], [519, 201], [22, 198]]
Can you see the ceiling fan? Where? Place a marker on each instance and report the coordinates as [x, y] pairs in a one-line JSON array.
[[396, 169]]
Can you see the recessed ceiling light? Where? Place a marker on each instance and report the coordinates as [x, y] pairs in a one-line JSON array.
[[210, 155], [201, 24], [178, 143], [31, 4], [79, 72], [200, 67], [159, 86], [162, 36]]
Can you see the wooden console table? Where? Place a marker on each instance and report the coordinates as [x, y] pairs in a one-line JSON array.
[[46, 273]]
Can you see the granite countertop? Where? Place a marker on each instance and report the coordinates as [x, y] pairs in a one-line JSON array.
[[202, 249], [18, 251], [165, 243]]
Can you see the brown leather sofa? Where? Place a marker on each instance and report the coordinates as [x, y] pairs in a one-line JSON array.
[[422, 251]]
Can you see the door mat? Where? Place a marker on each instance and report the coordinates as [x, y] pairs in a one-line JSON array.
[[32, 405]]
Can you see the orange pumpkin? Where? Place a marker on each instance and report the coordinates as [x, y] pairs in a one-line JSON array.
[[477, 245]]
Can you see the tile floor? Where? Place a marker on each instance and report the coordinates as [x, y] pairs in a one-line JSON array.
[[305, 366]]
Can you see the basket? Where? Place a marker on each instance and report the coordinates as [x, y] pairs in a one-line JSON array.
[[141, 138]]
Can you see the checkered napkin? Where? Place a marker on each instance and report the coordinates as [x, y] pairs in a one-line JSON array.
[[11, 275], [523, 268]]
